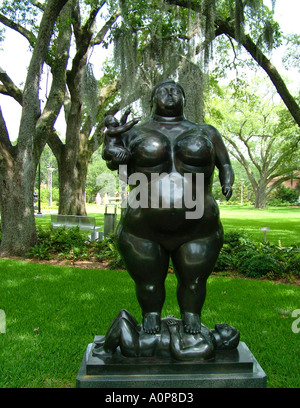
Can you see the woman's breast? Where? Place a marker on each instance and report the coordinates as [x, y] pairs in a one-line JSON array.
[[195, 149], [149, 150]]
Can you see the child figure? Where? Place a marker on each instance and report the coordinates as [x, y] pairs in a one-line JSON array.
[[114, 151]]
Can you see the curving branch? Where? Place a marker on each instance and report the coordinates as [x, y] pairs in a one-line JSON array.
[[225, 27], [38, 4], [279, 181], [237, 154], [108, 24], [31, 107], [57, 92], [9, 88], [6, 148], [30, 37]]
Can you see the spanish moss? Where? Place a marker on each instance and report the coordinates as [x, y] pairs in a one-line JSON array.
[[89, 92]]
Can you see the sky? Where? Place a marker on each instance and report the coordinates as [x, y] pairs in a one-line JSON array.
[[15, 57]]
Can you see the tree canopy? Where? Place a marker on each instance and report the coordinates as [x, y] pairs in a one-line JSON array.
[[252, 122]]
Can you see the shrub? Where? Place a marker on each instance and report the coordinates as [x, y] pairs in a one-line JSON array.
[[239, 253], [286, 194], [294, 265], [257, 259], [107, 250], [224, 261], [58, 241], [261, 265], [233, 238]]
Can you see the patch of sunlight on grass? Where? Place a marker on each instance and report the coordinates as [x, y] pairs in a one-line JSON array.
[[13, 283], [87, 296]]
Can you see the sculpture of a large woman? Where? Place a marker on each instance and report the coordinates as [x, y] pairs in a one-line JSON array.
[[148, 236]]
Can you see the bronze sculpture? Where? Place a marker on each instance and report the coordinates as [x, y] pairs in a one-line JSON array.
[[148, 237], [162, 159], [126, 334]]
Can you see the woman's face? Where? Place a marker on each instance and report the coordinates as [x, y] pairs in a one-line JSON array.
[[168, 100]]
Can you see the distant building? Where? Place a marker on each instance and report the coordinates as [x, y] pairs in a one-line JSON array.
[[291, 183]]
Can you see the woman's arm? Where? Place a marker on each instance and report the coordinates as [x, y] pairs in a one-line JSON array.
[[179, 352], [226, 174]]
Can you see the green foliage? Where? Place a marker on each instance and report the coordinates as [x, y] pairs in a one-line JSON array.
[[285, 194], [239, 253], [291, 56], [72, 244], [21, 12], [47, 160], [51, 242], [256, 134], [45, 194], [255, 259], [106, 250], [99, 177], [261, 265]]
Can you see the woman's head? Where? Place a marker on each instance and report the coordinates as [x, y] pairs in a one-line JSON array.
[[167, 98]]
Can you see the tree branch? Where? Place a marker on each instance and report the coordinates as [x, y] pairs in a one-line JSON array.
[[56, 96], [241, 158], [83, 44], [10, 88], [279, 181], [227, 27], [4, 137], [6, 148], [224, 27], [31, 108], [252, 158], [18, 28], [102, 33], [55, 144], [38, 4]]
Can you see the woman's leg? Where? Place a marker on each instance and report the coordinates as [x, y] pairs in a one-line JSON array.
[[147, 263], [194, 262]]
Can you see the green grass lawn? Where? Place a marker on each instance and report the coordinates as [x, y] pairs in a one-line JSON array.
[[53, 312], [284, 222]]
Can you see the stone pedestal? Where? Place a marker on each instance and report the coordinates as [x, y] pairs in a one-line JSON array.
[[229, 369]]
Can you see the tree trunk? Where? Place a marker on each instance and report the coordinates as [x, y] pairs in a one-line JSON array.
[[261, 196], [17, 217], [18, 163], [72, 179]]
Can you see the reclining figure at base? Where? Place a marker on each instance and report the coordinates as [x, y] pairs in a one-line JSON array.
[[126, 336]]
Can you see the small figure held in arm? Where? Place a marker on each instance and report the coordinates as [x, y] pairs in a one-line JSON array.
[[115, 153]]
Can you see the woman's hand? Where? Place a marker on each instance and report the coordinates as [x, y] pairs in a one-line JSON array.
[[227, 191], [121, 157]]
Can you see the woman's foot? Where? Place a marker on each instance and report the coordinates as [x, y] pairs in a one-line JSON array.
[[151, 323], [191, 322]]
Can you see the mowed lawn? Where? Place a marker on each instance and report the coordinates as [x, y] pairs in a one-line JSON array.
[[284, 222], [53, 313]]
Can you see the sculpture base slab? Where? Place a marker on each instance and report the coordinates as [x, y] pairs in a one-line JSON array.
[[229, 369]]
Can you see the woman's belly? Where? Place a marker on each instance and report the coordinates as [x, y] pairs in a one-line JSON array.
[[173, 212]]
